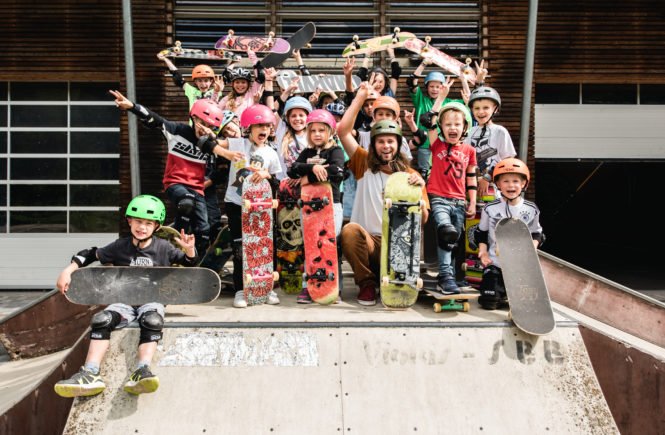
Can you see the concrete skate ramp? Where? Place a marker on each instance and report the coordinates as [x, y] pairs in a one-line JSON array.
[[361, 379]]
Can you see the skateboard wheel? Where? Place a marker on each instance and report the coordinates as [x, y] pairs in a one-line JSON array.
[[275, 203], [356, 37], [396, 29], [385, 281], [275, 276], [428, 38], [271, 34], [465, 307], [325, 200], [331, 276], [246, 204], [299, 202], [248, 279], [231, 32], [387, 203], [304, 276], [437, 307], [308, 45], [464, 267], [419, 283]]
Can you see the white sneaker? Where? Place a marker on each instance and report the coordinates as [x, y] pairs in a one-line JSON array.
[[239, 300], [273, 299]]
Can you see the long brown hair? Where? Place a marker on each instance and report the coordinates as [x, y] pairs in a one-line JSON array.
[[398, 164]]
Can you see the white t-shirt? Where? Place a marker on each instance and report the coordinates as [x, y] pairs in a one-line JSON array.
[[494, 146], [294, 148], [270, 163], [365, 138]]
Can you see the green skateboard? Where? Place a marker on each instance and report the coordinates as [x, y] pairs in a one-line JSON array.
[[400, 242], [380, 43]]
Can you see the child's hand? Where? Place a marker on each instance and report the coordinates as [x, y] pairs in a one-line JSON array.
[[186, 241], [416, 180], [161, 56], [471, 210], [234, 156], [205, 130], [363, 91], [320, 172], [218, 84], [293, 182], [465, 96], [271, 74], [481, 71], [259, 175], [121, 102], [445, 89], [483, 186], [348, 66], [484, 258], [259, 94], [427, 61], [314, 97], [64, 279]]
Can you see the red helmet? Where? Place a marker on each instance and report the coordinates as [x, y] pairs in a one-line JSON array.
[[385, 102], [207, 111], [202, 71], [323, 116], [256, 114]]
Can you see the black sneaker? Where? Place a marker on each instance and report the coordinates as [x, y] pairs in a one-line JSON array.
[[142, 381], [489, 299], [447, 286], [82, 383]]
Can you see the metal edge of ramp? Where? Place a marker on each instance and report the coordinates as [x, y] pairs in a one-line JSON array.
[[341, 378]]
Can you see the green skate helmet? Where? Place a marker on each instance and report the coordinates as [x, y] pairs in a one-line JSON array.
[[460, 107], [386, 126], [146, 207]]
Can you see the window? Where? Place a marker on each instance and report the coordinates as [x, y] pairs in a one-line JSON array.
[[587, 93], [59, 157]]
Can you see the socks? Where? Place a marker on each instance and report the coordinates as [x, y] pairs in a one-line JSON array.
[[92, 367]]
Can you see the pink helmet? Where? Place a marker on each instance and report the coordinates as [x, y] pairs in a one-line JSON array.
[[320, 115], [208, 112], [256, 114]]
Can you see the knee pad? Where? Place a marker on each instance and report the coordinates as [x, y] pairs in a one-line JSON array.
[[103, 323], [151, 324], [186, 204], [447, 235]]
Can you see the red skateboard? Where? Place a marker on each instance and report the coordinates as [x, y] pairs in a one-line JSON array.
[[320, 242], [257, 245]]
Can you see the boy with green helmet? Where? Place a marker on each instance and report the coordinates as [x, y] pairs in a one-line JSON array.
[[145, 213]]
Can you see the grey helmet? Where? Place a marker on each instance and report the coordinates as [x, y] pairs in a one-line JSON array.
[[485, 92]]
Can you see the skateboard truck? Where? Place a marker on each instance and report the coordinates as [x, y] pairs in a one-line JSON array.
[[396, 31], [259, 205], [451, 306], [319, 275], [178, 47], [355, 41], [427, 41], [315, 204]]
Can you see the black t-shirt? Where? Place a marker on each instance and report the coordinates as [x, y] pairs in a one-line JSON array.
[[122, 252], [333, 157]]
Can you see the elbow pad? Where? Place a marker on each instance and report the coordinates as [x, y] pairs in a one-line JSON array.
[[395, 70], [85, 257], [480, 236], [177, 78], [426, 120], [206, 144]]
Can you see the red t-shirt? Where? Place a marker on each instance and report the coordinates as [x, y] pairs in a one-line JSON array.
[[449, 167]]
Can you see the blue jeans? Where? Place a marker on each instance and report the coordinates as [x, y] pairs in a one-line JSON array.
[[447, 211], [350, 185], [197, 220], [424, 155]]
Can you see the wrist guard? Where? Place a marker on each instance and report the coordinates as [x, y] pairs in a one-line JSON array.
[[85, 257], [206, 144], [395, 70], [426, 120], [411, 81], [303, 70]]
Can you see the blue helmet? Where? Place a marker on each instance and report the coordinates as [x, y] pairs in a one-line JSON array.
[[435, 76], [297, 102]]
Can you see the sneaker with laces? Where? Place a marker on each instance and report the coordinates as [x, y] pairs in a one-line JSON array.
[[273, 299], [141, 381], [82, 383], [304, 297], [447, 286], [367, 295], [239, 300]]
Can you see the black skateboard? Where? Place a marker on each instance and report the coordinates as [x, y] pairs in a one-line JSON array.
[[219, 252], [141, 285], [529, 300], [299, 39]]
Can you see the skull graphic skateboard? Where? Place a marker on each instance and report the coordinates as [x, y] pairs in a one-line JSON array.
[[289, 240]]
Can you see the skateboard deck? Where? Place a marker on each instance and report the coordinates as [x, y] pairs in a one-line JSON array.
[[306, 84], [297, 41], [169, 234], [400, 242], [472, 267], [141, 285], [219, 252], [289, 240], [443, 60], [379, 43], [191, 53], [321, 266], [528, 298], [459, 302], [257, 242], [256, 43]]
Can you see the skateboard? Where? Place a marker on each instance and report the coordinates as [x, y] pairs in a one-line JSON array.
[[219, 252], [297, 41], [528, 298], [438, 57], [321, 267], [289, 240], [472, 267], [379, 43], [258, 44], [400, 242], [191, 53], [306, 84], [141, 285], [257, 244], [169, 234], [458, 302]]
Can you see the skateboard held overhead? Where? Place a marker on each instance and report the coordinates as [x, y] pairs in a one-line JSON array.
[[400, 242], [257, 241], [258, 44], [379, 43], [297, 41], [289, 240], [306, 84], [177, 51], [528, 297], [140, 285], [441, 59], [321, 265]]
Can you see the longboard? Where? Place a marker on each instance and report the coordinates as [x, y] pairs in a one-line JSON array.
[[297, 41], [257, 241], [528, 297], [141, 285], [400, 242], [321, 265], [306, 84]]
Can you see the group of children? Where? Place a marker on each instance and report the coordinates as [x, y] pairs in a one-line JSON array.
[[264, 135]]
